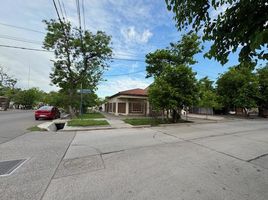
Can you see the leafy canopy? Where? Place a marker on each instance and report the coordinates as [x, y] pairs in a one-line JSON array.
[[180, 53], [80, 56], [208, 97], [262, 75], [232, 25], [28, 98], [175, 84], [238, 87]]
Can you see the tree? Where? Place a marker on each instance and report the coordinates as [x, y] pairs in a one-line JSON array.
[[28, 98], [208, 97], [178, 53], [6, 81], [80, 57], [175, 84], [262, 75], [229, 24], [174, 89], [238, 88], [57, 99]]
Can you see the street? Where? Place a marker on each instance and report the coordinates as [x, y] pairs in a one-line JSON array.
[[14, 123], [225, 160]]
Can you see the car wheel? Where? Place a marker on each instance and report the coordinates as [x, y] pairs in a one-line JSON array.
[[36, 118]]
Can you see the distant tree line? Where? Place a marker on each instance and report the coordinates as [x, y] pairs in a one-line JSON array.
[[34, 97], [176, 87]]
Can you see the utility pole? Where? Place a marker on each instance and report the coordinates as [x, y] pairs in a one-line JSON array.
[[29, 71]]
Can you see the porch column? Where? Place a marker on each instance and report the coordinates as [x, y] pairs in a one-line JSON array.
[[127, 107], [116, 108], [148, 108]]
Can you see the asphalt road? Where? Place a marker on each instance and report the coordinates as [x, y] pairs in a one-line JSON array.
[[14, 123], [210, 161]]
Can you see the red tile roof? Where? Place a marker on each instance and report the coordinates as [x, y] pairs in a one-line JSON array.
[[133, 92]]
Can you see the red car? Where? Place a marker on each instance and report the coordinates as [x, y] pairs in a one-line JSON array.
[[47, 112]]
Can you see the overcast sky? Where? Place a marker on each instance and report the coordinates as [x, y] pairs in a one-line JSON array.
[[137, 28]]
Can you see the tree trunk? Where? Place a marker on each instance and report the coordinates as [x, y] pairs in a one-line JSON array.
[[167, 114], [246, 111], [163, 115], [175, 115], [71, 109]]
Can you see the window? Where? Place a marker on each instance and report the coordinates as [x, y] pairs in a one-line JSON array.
[[136, 107]]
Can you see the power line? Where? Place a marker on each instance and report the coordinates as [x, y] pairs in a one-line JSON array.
[[7, 37], [136, 72], [24, 48], [61, 10], [64, 10], [123, 59], [35, 49], [57, 11], [21, 27], [78, 13], [83, 14], [128, 59]]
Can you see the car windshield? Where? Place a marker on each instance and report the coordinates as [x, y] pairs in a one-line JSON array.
[[46, 108]]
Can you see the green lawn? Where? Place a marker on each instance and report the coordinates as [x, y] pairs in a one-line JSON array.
[[91, 116], [35, 128], [87, 122], [149, 121]]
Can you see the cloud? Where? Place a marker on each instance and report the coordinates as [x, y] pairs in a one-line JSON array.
[[132, 35], [133, 25], [115, 85]]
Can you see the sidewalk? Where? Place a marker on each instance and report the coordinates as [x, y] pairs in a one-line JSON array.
[[116, 121], [206, 117]]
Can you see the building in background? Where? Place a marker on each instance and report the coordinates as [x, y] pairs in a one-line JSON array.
[[129, 102]]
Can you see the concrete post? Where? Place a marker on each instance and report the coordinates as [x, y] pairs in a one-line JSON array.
[[116, 108], [127, 107], [148, 108]]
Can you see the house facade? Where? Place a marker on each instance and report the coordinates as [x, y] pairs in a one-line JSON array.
[[129, 102]]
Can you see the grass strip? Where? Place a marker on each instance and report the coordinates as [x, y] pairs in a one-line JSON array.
[[87, 122], [91, 116], [150, 121], [36, 128]]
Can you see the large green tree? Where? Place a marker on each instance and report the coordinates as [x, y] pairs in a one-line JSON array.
[[262, 74], [80, 57], [179, 53], [208, 97], [238, 88], [28, 98], [231, 25], [174, 89], [175, 84]]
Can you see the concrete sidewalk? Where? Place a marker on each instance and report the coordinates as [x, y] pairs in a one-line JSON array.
[[206, 117], [204, 161]]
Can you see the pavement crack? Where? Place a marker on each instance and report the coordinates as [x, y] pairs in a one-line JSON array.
[[258, 157], [111, 152]]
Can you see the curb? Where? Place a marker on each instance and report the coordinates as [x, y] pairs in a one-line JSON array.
[[86, 129]]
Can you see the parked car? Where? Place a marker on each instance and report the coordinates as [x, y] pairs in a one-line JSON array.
[[47, 112]]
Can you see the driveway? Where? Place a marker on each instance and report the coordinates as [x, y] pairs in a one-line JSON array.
[[225, 160]]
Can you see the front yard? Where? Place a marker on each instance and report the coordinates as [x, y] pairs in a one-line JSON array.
[[150, 121], [94, 115]]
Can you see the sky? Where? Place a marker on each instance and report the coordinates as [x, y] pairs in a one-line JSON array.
[[137, 28]]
